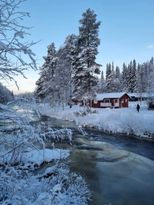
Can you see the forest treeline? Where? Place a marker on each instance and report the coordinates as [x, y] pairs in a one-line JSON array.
[[72, 71], [132, 77]]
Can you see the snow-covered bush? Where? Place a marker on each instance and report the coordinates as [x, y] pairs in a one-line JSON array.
[[57, 135], [56, 186], [21, 181], [85, 111], [5, 94], [17, 136]]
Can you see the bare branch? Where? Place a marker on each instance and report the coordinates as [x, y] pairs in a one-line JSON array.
[[16, 55]]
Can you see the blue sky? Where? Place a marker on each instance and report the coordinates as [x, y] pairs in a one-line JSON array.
[[126, 31]]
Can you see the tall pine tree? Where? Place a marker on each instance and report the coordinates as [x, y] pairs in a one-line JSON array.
[[46, 84], [64, 69], [84, 65]]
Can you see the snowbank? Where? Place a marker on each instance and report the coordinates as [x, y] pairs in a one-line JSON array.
[[124, 120]]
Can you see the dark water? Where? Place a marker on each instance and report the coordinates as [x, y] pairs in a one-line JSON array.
[[115, 176], [118, 170], [137, 146]]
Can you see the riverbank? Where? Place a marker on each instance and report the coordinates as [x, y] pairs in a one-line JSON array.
[[30, 172], [116, 121]]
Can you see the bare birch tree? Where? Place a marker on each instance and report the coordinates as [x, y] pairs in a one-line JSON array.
[[16, 55]]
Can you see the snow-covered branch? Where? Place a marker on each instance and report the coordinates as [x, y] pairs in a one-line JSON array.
[[16, 55]]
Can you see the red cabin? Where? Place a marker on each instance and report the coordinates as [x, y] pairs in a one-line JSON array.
[[111, 100]]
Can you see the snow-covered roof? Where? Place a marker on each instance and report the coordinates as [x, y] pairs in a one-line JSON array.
[[109, 95]]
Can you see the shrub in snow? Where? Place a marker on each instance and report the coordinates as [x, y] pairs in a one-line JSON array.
[[56, 186], [19, 139], [19, 150], [57, 135]]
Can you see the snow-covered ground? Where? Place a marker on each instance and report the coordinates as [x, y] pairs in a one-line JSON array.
[[56, 186], [123, 120], [22, 147], [47, 155]]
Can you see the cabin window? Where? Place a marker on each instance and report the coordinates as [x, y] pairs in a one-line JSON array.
[[122, 101], [125, 100]]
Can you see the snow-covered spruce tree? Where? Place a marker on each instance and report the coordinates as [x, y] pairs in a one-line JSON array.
[[108, 69], [84, 65], [150, 83], [70, 46], [124, 78], [55, 82], [131, 76], [145, 77], [108, 74], [5, 94], [46, 84], [118, 79], [150, 76], [16, 55], [111, 82], [102, 83], [64, 70], [141, 79], [39, 92]]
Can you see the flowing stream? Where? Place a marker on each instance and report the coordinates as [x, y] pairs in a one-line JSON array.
[[118, 170], [114, 176]]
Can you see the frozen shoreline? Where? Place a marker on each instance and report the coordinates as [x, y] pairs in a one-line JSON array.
[[122, 121]]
